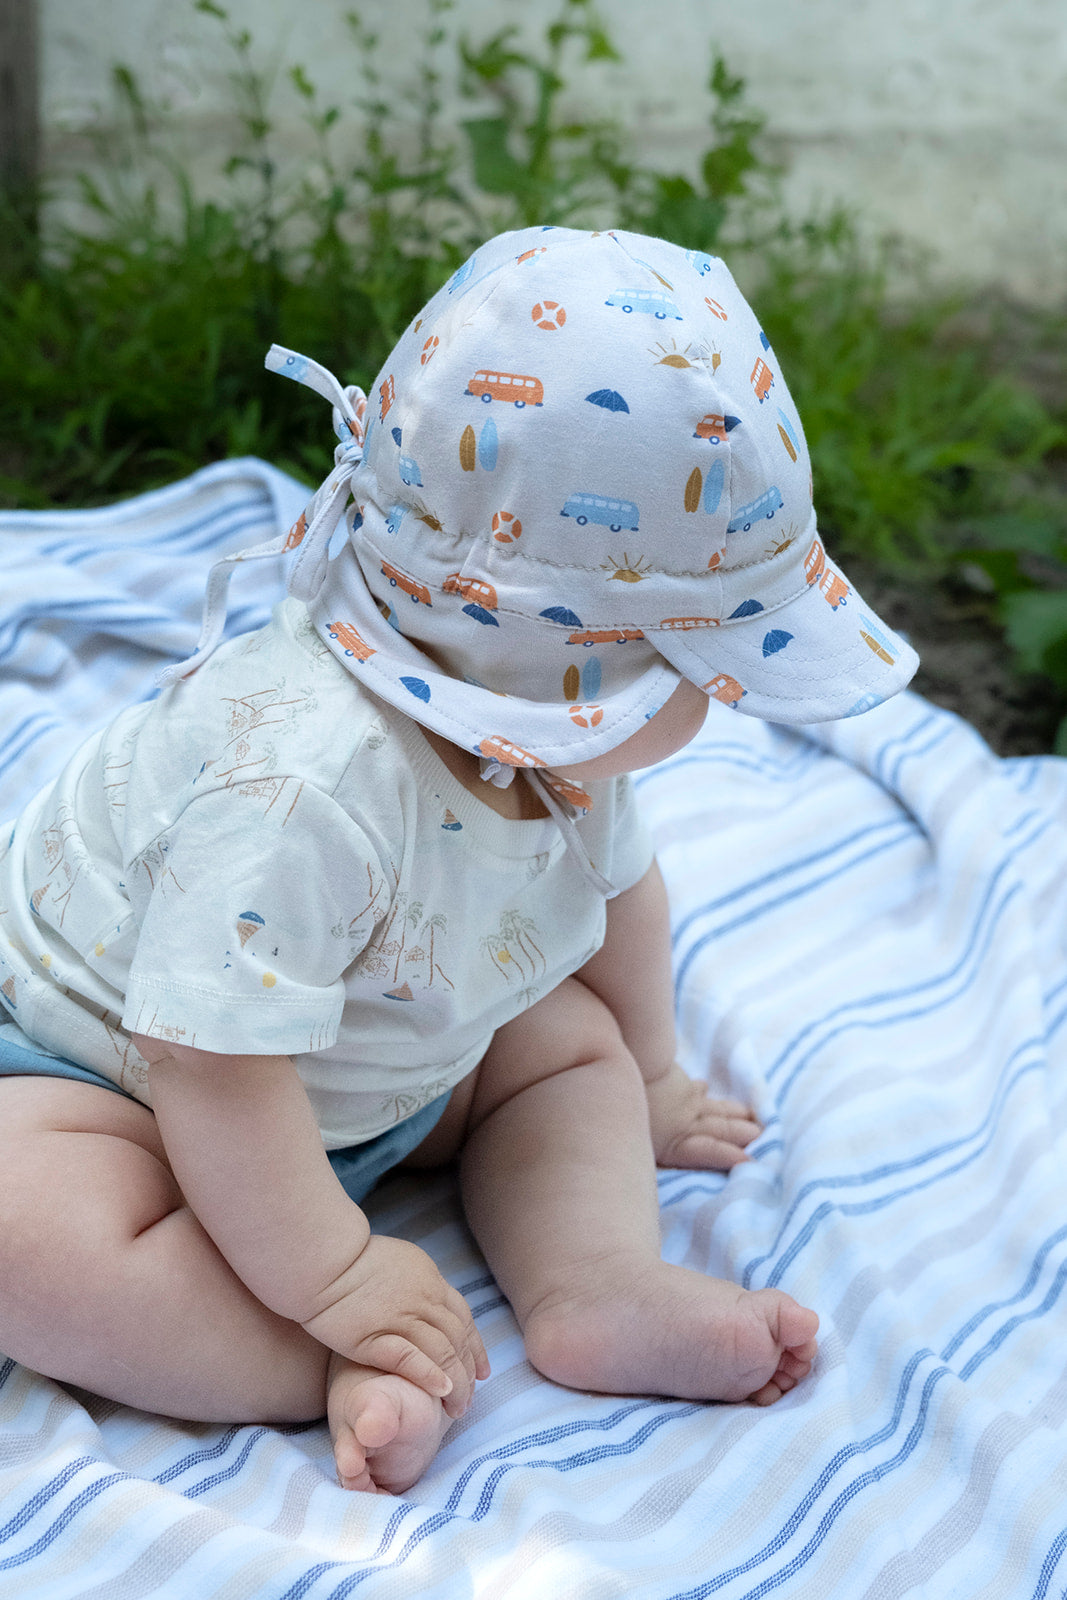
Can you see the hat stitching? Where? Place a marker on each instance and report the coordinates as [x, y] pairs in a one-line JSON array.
[[516, 556], [613, 619]]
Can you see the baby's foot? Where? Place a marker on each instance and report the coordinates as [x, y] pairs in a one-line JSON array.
[[653, 1328], [385, 1431]]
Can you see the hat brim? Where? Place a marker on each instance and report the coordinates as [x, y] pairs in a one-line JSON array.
[[781, 666], [822, 655]]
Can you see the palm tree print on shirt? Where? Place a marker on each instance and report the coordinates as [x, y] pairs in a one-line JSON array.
[[513, 950]]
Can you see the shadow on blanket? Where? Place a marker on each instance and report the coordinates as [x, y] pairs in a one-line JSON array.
[[868, 923]]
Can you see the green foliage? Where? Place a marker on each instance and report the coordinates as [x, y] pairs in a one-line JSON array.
[[917, 438], [133, 341], [133, 347]]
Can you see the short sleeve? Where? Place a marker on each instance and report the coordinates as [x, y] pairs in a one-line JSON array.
[[631, 843], [251, 906]]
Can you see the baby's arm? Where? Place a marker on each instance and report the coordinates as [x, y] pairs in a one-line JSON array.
[[246, 1152], [631, 973]]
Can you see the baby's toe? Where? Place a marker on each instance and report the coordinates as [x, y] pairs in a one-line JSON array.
[[374, 1415], [768, 1393], [350, 1459], [804, 1353]]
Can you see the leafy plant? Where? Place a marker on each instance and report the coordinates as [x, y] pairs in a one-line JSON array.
[[133, 350], [134, 337], [915, 434]]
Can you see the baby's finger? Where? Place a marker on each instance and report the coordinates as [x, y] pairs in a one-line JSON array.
[[462, 1359], [730, 1108], [732, 1130], [472, 1340], [705, 1152], [460, 1368], [391, 1352]]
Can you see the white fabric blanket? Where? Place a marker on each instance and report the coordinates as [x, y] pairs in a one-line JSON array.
[[869, 943]]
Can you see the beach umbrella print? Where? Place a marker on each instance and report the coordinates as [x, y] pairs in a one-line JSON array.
[[609, 399]]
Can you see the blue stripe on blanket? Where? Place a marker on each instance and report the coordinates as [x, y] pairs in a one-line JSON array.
[[869, 945]]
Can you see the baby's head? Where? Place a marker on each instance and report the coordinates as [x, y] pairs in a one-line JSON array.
[[583, 479]]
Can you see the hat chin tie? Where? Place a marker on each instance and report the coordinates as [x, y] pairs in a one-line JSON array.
[[311, 535], [502, 777], [490, 770], [313, 529], [561, 814]]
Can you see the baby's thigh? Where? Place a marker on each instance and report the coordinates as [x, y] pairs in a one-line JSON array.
[[569, 1026], [32, 1105], [76, 1161]]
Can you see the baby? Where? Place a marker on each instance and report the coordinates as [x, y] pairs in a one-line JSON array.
[[293, 924]]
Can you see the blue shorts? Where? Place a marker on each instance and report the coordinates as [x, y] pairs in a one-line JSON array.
[[358, 1166]]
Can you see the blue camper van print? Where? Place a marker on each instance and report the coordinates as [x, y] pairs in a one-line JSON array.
[[409, 472], [613, 514], [700, 261], [649, 300], [397, 513], [765, 506]]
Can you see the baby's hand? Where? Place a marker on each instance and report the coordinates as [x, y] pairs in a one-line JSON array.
[[392, 1309], [689, 1129]]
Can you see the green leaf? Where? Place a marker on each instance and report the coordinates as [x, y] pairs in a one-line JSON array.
[[1035, 622], [1037, 530], [495, 168], [1002, 566], [599, 47], [301, 82]]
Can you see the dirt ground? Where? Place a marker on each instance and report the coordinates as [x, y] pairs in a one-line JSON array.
[[965, 663]]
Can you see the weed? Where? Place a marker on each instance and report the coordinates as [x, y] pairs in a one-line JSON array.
[[134, 340]]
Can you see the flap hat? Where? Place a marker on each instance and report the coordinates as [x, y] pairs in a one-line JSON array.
[[582, 478]]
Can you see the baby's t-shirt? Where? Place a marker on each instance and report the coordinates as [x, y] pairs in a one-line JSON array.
[[268, 860]]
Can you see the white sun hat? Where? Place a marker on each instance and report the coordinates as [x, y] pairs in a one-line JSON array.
[[582, 478]]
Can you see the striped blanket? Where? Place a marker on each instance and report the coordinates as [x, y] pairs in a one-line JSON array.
[[868, 926]]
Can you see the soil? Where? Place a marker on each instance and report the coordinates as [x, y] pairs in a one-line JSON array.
[[965, 662]]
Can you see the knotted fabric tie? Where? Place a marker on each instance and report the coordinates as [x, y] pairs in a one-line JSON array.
[[312, 530]]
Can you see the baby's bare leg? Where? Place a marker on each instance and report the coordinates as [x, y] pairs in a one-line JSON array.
[[108, 1281], [559, 1185]]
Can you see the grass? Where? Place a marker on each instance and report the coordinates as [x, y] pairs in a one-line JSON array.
[[134, 341]]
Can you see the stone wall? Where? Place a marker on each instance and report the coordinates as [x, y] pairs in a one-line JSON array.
[[942, 121]]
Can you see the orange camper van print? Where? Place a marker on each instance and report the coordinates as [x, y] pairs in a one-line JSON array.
[[726, 689], [574, 796], [354, 644], [497, 748], [400, 580], [715, 426], [833, 588], [814, 561], [593, 636], [762, 378], [517, 387], [471, 589]]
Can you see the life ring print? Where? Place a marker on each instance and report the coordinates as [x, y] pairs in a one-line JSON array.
[[549, 314]]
